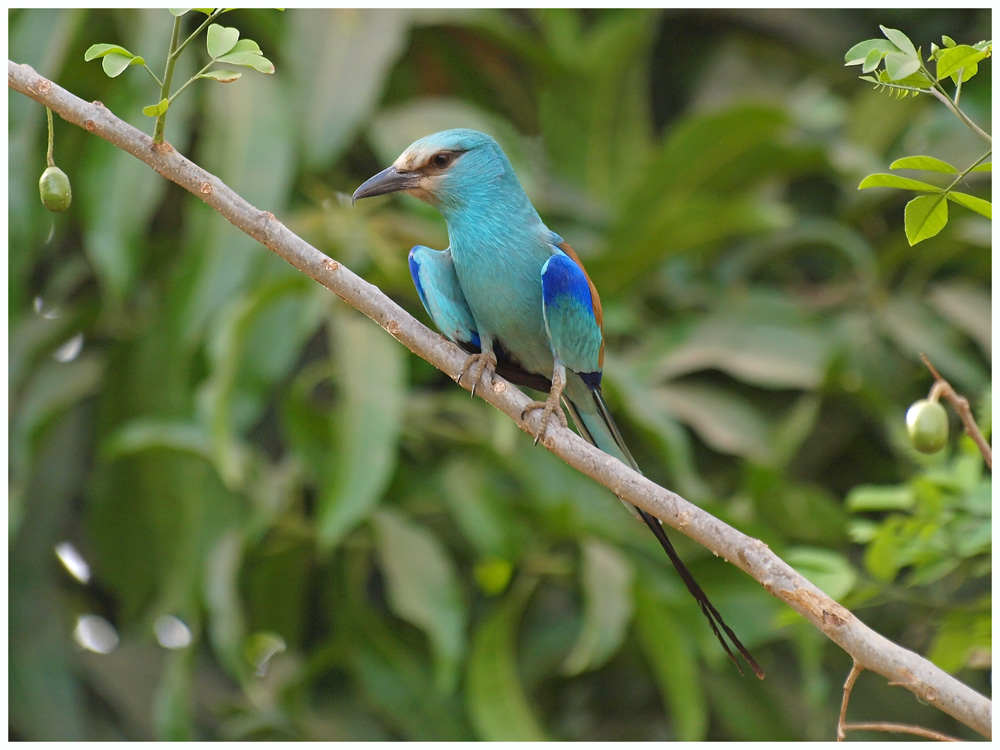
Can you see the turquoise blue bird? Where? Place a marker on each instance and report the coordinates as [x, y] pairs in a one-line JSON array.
[[513, 294]]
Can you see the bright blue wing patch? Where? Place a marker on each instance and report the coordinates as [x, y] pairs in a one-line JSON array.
[[567, 304], [441, 295]]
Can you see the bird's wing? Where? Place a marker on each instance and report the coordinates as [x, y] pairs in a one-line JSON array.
[[573, 316], [441, 294]]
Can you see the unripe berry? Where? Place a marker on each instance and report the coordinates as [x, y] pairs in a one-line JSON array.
[[55, 189], [927, 424]]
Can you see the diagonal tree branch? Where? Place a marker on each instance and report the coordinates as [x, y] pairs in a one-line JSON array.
[[868, 649]]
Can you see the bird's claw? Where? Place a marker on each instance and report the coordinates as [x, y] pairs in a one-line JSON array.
[[482, 365], [549, 407]]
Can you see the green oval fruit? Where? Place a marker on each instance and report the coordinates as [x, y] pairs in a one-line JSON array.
[[55, 189], [927, 424]]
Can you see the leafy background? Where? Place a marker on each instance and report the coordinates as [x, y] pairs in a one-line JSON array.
[[295, 529]]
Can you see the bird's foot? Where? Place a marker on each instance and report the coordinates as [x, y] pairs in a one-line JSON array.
[[482, 365], [549, 407]]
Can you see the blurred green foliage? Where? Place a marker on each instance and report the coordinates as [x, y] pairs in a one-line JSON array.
[[357, 549]]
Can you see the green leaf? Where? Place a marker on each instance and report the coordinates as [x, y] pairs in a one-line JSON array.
[[828, 570], [956, 58], [966, 73], [901, 40], [895, 181], [728, 422], [114, 63], [607, 595], [222, 76], [144, 434], [100, 50], [220, 40], [246, 45], [916, 80], [872, 61], [423, 589], [928, 163], [249, 59], [751, 346], [860, 52], [899, 66], [924, 217], [987, 167], [972, 203], [868, 497], [947, 41], [226, 621], [673, 661], [961, 637], [178, 11], [494, 695], [371, 381], [155, 110]]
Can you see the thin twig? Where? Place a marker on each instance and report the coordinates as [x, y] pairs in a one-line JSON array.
[[946, 100], [961, 406], [869, 649], [856, 670], [888, 726], [878, 726]]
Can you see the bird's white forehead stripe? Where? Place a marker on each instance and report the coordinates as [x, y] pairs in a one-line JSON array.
[[414, 157]]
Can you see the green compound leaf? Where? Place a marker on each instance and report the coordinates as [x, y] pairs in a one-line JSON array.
[[423, 589], [927, 163], [100, 50], [494, 694], [221, 40], [900, 66], [249, 60], [972, 203], [859, 53], [155, 110], [874, 497], [872, 61], [222, 76], [114, 64], [924, 217], [608, 605], [895, 181], [957, 58], [901, 40], [987, 167], [245, 45]]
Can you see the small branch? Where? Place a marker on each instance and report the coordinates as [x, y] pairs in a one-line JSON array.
[[168, 75], [878, 726], [856, 671], [942, 388], [960, 114], [888, 726], [869, 649]]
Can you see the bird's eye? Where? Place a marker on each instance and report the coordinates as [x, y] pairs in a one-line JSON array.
[[441, 160]]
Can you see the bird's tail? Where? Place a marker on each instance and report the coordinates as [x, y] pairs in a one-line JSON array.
[[596, 425]]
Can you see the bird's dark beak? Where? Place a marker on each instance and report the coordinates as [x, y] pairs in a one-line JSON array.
[[389, 180]]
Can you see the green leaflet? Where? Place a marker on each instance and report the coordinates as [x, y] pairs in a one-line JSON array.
[[494, 696], [607, 579], [924, 217], [370, 376], [423, 589]]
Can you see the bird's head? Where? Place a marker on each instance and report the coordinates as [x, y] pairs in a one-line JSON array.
[[446, 169]]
